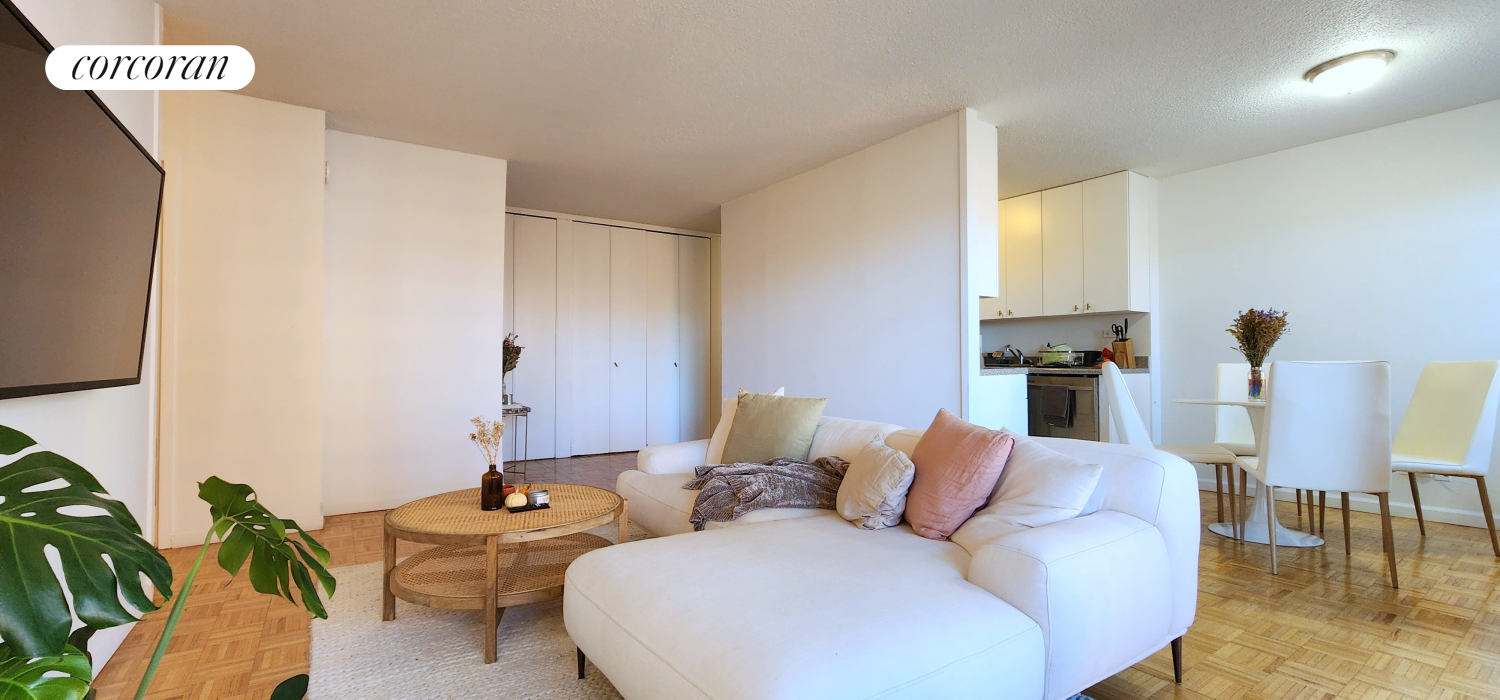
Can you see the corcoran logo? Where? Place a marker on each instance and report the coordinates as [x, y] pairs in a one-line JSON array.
[[150, 67]]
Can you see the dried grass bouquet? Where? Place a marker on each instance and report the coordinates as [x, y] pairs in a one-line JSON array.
[[512, 352], [1256, 332], [487, 435]]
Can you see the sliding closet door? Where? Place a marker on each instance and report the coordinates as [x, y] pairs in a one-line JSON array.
[[591, 331], [533, 252], [627, 339], [662, 425], [692, 338]]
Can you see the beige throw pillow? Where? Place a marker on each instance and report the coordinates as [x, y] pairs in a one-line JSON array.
[[873, 494], [721, 431], [767, 426], [1040, 486]]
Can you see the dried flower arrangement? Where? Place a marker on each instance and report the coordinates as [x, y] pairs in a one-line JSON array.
[[512, 352], [1256, 331], [487, 435]]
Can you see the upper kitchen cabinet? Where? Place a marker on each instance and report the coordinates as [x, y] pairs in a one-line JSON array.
[[1075, 249], [1021, 228]]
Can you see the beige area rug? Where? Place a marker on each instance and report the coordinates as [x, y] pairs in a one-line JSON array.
[[426, 653]]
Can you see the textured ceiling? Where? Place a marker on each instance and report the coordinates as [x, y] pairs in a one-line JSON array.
[[660, 110]]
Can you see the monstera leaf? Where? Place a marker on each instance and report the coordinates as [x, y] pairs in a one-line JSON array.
[[34, 615], [62, 677], [277, 562]]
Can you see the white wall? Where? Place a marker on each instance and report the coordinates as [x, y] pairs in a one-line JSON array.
[[414, 246], [1382, 245], [242, 305], [111, 432], [844, 282]]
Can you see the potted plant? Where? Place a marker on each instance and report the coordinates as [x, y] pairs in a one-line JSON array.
[[1256, 331], [39, 657], [511, 354]]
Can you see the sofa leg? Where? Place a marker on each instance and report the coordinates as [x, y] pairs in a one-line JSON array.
[[1177, 659], [580, 664]]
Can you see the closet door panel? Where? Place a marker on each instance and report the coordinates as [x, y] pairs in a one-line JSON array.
[[627, 339], [534, 382], [692, 333], [591, 332], [662, 426]]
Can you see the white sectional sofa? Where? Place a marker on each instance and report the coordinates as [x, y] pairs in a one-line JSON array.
[[796, 603]]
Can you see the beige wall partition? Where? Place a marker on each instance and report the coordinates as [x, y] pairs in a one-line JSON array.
[[242, 303]]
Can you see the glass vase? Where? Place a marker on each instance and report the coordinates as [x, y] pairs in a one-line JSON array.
[[1257, 385], [492, 489]]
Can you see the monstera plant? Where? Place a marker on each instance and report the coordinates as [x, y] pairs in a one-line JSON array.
[[48, 501]]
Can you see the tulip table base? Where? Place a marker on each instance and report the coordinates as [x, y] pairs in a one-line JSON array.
[[1257, 532]]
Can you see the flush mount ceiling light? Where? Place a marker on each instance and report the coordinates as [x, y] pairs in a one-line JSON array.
[[1351, 73]]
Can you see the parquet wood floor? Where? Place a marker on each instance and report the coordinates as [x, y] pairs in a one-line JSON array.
[[1327, 627]]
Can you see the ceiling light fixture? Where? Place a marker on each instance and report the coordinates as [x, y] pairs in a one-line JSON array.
[[1351, 73]]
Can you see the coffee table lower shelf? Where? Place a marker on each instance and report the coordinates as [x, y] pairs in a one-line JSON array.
[[452, 577]]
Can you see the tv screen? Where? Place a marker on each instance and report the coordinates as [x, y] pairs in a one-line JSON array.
[[79, 205]]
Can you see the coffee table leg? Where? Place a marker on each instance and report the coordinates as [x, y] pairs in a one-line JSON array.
[[388, 599], [624, 520], [491, 583]]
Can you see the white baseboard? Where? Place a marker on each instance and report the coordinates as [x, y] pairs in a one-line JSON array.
[[1366, 503], [366, 506]]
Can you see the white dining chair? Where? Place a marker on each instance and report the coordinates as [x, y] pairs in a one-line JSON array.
[[1328, 428], [1233, 431], [1130, 429], [1449, 429]]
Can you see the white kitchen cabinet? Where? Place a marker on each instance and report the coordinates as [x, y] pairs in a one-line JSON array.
[[1023, 256], [590, 317], [662, 340], [1079, 248], [1062, 250]]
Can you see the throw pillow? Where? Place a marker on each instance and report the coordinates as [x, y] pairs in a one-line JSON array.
[[873, 493], [767, 426], [1040, 486], [721, 431], [957, 464]]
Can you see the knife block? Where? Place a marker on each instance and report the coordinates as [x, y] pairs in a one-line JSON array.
[[1124, 353]]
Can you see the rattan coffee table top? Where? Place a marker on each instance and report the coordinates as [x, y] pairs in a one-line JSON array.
[[458, 513]]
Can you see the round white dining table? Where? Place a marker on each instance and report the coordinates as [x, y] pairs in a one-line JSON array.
[[1256, 529]]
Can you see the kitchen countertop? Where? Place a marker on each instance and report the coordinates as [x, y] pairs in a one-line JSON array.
[[1074, 371]]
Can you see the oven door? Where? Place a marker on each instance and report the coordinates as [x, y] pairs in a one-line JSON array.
[[1084, 423]]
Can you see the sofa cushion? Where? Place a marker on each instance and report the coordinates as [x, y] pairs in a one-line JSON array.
[[957, 466], [873, 493], [1039, 486], [808, 608], [660, 505], [767, 426], [845, 437], [716, 441]]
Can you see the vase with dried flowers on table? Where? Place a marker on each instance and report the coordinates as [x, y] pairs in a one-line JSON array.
[[1256, 331], [488, 435], [511, 355]]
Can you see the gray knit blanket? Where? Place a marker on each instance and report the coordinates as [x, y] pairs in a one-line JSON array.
[[731, 490]]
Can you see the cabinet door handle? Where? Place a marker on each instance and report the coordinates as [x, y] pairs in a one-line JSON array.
[[617, 364], [1075, 307], [1086, 307]]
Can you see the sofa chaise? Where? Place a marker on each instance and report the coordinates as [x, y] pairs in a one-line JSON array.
[[796, 603]]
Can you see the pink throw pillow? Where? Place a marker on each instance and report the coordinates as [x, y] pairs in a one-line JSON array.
[[957, 465]]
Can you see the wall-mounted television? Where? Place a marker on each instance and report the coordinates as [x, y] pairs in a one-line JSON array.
[[80, 203]]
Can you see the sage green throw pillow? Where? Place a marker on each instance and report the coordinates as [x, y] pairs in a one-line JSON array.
[[767, 426]]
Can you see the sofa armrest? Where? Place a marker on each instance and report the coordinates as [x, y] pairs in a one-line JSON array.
[[676, 458], [1099, 586]]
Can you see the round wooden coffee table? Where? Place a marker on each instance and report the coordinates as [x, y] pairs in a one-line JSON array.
[[490, 560]]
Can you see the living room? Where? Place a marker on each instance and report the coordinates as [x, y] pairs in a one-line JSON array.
[[657, 251]]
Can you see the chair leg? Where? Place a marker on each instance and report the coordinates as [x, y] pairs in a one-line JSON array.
[[1323, 512], [1219, 490], [1177, 660], [1299, 505], [1387, 535], [1271, 523], [1416, 502], [1244, 502], [580, 663], [1489, 516], [1344, 501]]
